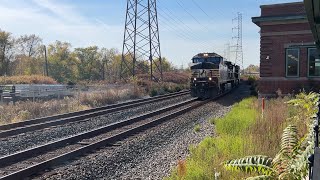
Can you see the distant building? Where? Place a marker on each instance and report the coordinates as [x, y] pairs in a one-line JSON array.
[[288, 55]]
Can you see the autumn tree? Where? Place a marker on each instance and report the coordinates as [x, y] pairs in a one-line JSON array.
[[111, 64], [166, 65], [90, 63], [62, 63], [28, 59], [6, 52]]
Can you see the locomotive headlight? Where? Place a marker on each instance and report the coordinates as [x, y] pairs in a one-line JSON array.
[[194, 79], [210, 78]]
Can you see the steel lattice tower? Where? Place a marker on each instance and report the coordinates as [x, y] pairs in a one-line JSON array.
[[141, 40], [238, 46]]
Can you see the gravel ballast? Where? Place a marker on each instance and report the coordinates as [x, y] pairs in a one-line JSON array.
[[150, 154], [31, 139]]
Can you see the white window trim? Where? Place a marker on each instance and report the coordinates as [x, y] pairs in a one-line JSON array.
[[298, 74], [308, 65]]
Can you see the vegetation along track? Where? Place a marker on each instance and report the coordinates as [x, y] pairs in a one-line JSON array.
[[41, 123], [28, 162]]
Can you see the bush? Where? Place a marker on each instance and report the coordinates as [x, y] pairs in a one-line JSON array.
[[33, 79], [153, 92], [252, 80], [24, 110], [239, 133]]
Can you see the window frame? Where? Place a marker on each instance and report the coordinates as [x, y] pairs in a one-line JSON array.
[[286, 59], [308, 65]]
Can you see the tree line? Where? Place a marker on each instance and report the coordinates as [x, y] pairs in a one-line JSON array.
[[27, 55]]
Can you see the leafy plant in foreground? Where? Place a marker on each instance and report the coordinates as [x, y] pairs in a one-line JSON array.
[[266, 167], [291, 161]]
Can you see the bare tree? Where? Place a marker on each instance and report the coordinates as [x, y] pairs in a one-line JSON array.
[[29, 45]]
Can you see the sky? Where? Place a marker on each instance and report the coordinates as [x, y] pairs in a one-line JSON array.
[[187, 27]]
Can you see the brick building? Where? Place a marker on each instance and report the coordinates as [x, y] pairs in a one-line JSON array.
[[288, 55]]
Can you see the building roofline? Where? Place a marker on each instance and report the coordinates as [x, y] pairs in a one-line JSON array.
[[313, 14], [259, 19], [281, 4]]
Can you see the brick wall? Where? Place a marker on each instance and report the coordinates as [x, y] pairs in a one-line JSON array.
[[283, 9], [278, 35], [275, 48]]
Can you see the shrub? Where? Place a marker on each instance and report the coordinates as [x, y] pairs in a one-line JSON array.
[[33, 79], [24, 110], [153, 92], [242, 132]]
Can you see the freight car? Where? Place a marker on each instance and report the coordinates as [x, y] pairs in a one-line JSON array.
[[212, 75]]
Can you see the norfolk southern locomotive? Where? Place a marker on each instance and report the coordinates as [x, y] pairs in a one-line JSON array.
[[211, 75]]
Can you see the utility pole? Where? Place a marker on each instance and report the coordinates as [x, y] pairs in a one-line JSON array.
[[141, 39], [46, 61], [238, 47], [104, 67]]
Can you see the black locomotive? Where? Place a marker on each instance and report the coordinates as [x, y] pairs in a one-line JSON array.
[[212, 75]]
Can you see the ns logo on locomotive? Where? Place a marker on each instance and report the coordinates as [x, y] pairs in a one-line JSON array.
[[212, 75]]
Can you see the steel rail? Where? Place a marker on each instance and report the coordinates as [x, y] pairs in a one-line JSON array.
[[40, 123], [65, 115], [86, 148], [36, 151]]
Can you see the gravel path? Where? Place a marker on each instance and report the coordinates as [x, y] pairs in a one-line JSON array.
[[152, 154], [39, 137]]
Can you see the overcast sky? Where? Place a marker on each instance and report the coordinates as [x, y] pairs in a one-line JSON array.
[[185, 29]]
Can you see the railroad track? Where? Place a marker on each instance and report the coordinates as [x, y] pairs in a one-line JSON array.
[[28, 162], [45, 122]]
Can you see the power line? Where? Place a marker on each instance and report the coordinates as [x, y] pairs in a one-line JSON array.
[[202, 25], [188, 12], [182, 36], [177, 20], [201, 9]]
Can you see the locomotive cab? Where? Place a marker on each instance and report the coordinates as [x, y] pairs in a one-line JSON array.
[[210, 75]]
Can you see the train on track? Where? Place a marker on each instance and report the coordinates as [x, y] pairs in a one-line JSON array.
[[212, 75]]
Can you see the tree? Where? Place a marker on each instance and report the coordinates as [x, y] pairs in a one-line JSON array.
[[110, 67], [29, 45], [90, 65], [6, 51], [28, 59], [62, 63], [252, 68], [166, 65]]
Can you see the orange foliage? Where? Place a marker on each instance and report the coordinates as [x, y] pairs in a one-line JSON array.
[[182, 169], [33, 79]]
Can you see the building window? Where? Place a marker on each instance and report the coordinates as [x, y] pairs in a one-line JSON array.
[[314, 63], [292, 62]]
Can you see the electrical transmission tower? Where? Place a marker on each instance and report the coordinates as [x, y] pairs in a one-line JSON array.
[[227, 51], [141, 46], [238, 47]]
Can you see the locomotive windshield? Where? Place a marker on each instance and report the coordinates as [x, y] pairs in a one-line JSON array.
[[215, 60]]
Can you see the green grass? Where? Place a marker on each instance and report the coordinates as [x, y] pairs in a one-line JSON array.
[[197, 128], [238, 120], [232, 141]]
